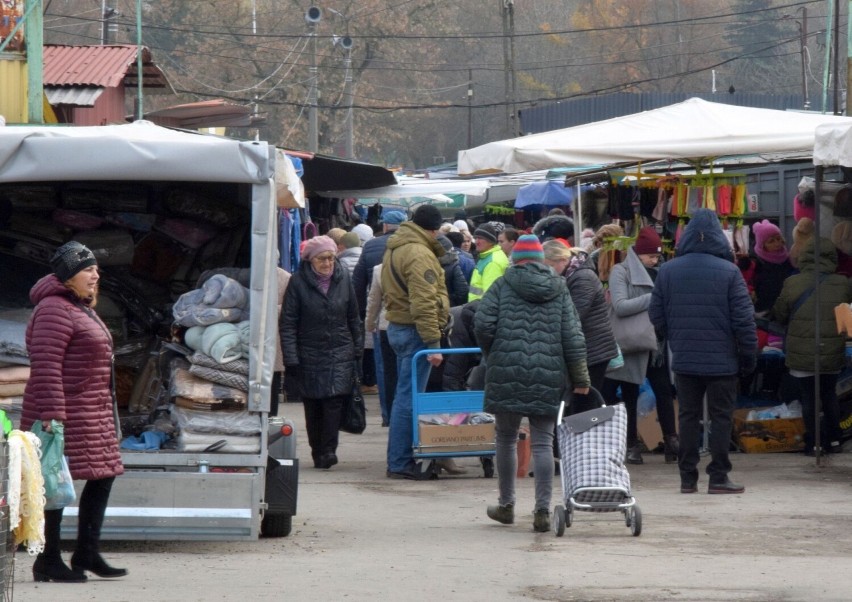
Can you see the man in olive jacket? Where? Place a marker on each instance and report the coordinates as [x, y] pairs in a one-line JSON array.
[[415, 295]]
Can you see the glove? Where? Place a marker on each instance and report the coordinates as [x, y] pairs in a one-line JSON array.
[[747, 365]]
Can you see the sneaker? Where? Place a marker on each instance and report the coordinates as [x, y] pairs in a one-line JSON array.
[[541, 521], [502, 514], [688, 487], [727, 486]]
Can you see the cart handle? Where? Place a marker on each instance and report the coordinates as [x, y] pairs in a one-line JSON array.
[[423, 352], [592, 392]]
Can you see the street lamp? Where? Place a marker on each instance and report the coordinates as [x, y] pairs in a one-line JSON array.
[[313, 16]]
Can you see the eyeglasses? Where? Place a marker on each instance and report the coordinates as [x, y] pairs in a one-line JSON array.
[[324, 258]]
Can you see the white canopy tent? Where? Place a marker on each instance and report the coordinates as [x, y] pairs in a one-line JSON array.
[[693, 129]]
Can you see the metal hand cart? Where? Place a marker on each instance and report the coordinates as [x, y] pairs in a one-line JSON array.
[[451, 441], [592, 446]]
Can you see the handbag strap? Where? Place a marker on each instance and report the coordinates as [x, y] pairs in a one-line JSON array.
[[804, 297]]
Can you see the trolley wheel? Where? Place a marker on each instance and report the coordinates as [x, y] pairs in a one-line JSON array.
[[569, 516], [636, 521], [487, 467], [559, 521]]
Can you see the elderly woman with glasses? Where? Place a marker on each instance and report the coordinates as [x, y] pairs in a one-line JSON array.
[[322, 342]]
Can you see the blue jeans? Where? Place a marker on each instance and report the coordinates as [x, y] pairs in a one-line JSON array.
[[405, 342], [380, 376]]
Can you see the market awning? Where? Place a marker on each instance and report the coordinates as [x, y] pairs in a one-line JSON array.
[[693, 129], [334, 177], [549, 192]]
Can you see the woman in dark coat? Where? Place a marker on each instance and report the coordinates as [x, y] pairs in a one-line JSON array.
[[70, 353], [530, 335], [321, 339]]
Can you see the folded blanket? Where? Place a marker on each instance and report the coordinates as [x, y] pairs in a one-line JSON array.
[[223, 377], [245, 337], [220, 299], [219, 341], [188, 441], [13, 328], [195, 392], [240, 366], [240, 422]]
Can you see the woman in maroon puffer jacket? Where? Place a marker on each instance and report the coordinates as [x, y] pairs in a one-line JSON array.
[[70, 352]]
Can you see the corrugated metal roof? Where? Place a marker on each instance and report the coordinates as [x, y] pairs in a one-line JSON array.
[[103, 66], [81, 97], [578, 111]]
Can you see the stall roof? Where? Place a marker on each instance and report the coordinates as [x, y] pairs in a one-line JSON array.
[[135, 151], [337, 177], [693, 129]]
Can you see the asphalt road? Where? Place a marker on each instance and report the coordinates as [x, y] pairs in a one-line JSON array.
[[360, 536]]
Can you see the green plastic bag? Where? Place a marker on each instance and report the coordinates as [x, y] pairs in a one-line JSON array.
[[52, 450]]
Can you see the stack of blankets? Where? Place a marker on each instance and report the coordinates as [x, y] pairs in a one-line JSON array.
[[214, 380]]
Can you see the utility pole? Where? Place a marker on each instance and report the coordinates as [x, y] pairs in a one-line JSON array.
[[827, 68], [254, 40], [513, 109], [313, 16], [803, 45], [470, 108], [504, 11], [349, 139], [139, 70], [106, 26]]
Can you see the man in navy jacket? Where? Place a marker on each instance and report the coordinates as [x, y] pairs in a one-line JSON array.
[[700, 303]]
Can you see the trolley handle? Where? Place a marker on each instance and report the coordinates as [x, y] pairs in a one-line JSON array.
[[592, 392], [424, 352]]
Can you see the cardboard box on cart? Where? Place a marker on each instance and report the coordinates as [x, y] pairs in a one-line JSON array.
[[461, 438], [770, 435]]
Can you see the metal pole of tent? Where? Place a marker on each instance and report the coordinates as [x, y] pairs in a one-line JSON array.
[[578, 206], [818, 175]]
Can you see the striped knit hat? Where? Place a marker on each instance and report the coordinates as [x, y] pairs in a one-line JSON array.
[[527, 248]]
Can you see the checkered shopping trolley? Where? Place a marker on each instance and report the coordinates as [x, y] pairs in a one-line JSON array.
[[592, 446]]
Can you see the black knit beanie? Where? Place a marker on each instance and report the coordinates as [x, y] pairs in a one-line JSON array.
[[70, 259], [428, 217]]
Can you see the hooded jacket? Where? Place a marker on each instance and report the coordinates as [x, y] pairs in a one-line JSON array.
[[530, 334], [587, 294], [700, 302], [70, 373], [413, 286], [457, 286], [321, 333], [834, 289], [491, 265]]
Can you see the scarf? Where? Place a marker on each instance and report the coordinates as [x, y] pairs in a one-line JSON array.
[[777, 257], [323, 282]]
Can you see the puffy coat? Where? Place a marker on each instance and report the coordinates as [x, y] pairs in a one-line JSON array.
[[801, 330], [348, 258], [71, 368], [414, 289], [457, 286], [589, 299], [529, 332], [321, 333], [701, 303], [630, 288], [371, 255], [457, 365], [491, 265]]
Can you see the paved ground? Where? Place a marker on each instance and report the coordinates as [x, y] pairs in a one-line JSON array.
[[360, 536]]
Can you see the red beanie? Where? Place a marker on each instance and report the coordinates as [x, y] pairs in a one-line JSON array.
[[648, 242]]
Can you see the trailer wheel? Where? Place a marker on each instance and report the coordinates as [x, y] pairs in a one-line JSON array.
[[276, 525]]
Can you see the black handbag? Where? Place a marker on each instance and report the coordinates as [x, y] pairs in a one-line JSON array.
[[353, 416]]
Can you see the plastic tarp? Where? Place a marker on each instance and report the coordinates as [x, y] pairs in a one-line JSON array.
[[833, 145], [693, 129], [142, 151], [550, 193]]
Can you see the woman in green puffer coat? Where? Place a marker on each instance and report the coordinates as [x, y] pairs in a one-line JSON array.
[[795, 308], [530, 335]]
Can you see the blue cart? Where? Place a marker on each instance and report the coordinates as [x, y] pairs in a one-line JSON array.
[[460, 440]]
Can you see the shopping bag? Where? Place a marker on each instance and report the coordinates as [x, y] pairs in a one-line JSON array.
[[65, 494], [52, 451], [353, 417]]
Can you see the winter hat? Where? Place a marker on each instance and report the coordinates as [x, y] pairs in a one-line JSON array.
[[445, 242], [802, 233], [393, 218], [804, 205], [841, 236], [461, 224], [350, 240], [427, 217], [70, 259], [763, 231], [648, 242], [526, 249], [317, 245], [487, 232], [364, 232]]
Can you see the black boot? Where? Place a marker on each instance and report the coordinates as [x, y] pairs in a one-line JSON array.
[[48, 565], [671, 447], [87, 557]]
